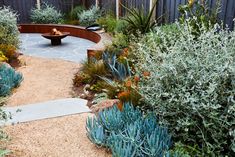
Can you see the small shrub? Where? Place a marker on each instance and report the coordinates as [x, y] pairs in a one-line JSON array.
[[128, 132], [90, 16], [46, 14], [3, 58], [8, 51], [81, 78], [74, 14], [199, 14], [156, 42], [9, 79], [94, 70], [191, 87], [108, 22], [9, 33], [121, 26], [120, 43]]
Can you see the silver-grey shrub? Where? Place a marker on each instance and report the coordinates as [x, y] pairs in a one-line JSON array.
[[88, 17], [191, 86], [9, 33], [46, 14]]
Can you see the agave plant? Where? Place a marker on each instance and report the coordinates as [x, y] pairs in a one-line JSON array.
[[119, 71], [139, 21]]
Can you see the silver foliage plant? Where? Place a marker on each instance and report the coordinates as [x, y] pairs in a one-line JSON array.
[[46, 14], [191, 86], [9, 33], [88, 17]]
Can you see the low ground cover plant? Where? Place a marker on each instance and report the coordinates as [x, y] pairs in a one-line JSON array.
[[191, 86], [127, 132], [9, 79], [46, 14]]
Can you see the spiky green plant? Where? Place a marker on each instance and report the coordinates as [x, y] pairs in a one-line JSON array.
[[139, 21], [120, 71]]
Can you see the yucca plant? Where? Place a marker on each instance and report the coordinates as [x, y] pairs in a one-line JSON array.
[[138, 20]]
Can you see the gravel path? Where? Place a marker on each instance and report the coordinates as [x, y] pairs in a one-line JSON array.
[[46, 79]]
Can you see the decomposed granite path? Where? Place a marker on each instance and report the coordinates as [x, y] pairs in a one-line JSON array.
[[45, 80]]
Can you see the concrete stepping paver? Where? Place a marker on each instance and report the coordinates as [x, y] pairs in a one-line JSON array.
[[44, 110]]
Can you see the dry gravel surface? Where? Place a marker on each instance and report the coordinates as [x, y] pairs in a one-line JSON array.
[[49, 79]]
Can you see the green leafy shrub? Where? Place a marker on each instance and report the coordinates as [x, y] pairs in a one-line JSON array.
[[199, 14], [159, 41], [9, 79], [191, 87], [46, 14], [120, 42], [9, 33], [128, 132], [109, 23], [121, 26], [74, 14], [90, 16]]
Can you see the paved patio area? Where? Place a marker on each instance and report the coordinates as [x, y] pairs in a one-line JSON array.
[[72, 48]]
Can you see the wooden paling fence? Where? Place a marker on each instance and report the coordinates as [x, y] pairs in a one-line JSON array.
[[166, 9]]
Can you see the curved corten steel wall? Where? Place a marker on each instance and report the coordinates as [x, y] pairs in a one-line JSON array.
[[74, 31]]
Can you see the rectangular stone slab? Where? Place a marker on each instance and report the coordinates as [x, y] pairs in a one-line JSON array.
[[44, 110]]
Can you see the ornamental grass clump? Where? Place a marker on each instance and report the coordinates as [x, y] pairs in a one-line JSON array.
[[191, 87], [46, 14]]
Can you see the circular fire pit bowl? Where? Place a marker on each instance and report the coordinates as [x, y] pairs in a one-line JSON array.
[[55, 39]]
